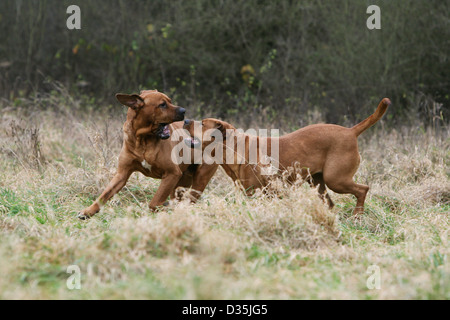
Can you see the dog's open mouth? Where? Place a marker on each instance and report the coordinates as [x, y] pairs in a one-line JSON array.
[[163, 131], [192, 142]]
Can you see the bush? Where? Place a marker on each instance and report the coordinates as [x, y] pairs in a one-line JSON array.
[[237, 60]]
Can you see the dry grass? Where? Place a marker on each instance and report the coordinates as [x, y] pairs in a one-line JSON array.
[[226, 246]]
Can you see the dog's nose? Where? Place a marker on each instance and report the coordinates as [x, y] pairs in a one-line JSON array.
[[187, 122], [181, 111]]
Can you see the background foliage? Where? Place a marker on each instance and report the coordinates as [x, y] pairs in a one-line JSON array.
[[276, 60]]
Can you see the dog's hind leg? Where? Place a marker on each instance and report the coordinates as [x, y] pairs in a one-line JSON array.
[[358, 190], [317, 180], [338, 175], [342, 184]]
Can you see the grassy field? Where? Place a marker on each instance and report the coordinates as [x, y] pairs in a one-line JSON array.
[[226, 246]]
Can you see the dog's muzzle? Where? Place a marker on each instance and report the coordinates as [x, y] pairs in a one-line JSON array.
[[191, 141]]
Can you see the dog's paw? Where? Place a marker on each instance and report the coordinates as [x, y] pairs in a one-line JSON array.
[[83, 216], [180, 193], [89, 212]]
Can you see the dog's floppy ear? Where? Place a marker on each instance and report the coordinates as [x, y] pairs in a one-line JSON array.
[[220, 127], [133, 101], [223, 127]]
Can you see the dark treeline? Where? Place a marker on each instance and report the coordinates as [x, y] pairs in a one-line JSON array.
[[235, 59]]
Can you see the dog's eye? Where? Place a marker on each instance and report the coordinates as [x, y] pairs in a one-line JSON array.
[[163, 105]]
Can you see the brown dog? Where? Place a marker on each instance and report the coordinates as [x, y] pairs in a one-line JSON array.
[[151, 119], [326, 154]]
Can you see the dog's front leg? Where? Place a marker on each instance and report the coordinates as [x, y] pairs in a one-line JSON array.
[[168, 183], [116, 184], [201, 179], [197, 183]]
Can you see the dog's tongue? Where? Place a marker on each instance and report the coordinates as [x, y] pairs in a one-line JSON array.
[[192, 142], [166, 130]]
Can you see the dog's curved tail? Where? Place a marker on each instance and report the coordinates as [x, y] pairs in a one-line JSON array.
[[370, 121]]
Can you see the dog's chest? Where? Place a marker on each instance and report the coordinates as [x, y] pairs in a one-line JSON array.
[[146, 165], [150, 162]]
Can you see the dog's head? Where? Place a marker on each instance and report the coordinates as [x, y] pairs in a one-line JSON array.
[[205, 132], [153, 110]]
